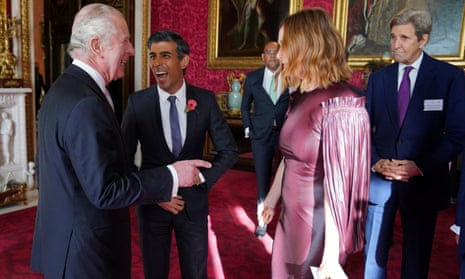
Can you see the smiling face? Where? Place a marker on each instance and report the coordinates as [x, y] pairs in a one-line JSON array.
[[269, 56], [166, 66], [115, 54], [405, 46]]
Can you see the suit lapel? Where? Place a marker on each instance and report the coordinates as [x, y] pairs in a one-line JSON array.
[[86, 79], [425, 77], [390, 92], [258, 85], [191, 115]]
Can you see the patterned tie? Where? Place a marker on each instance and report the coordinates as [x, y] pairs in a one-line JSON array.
[[272, 90], [176, 139], [403, 96]]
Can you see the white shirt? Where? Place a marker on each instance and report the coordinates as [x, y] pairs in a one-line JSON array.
[[165, 112], [413, 73], [182, 115], [267, 76]]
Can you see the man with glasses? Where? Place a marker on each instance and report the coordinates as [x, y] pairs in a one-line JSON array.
[[263, 107]]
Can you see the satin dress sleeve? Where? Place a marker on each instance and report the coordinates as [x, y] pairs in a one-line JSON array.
[[346, 161]]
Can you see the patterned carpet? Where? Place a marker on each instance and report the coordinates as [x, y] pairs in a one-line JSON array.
[[234, 251]]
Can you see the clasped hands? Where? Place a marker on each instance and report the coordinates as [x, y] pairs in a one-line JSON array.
[[400, 170]]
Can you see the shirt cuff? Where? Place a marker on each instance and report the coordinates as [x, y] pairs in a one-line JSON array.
[[455, 229], [202, 178], [175, 181]]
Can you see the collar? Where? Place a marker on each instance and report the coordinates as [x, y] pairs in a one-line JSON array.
[[96, 76], [269, 72], [416, 64], [180, 94]]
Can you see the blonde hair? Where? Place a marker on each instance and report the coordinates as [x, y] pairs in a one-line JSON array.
[[314, 50]]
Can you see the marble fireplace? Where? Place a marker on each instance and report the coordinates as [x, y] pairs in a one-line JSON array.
[[13, 136]]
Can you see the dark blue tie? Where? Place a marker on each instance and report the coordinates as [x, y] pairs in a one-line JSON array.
[[176, 139], [403, 96]]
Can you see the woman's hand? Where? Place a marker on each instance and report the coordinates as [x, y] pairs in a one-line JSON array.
[[267, 215]]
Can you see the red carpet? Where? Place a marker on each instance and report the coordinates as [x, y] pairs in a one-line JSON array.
[[234, 250]]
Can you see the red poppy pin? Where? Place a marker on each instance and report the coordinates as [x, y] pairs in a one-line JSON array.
[[191, 105]]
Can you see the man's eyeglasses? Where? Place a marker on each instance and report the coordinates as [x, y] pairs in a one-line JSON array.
[[365, 75], [271, 52]]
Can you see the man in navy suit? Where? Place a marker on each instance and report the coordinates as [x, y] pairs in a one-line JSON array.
[[84, 176], [410, 157], [460, 221], [262, 109], [147, 121]]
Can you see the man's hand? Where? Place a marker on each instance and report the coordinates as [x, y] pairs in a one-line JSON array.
[[174, 206], [247, 133], [394, 169], [188, 172], [380, 166]]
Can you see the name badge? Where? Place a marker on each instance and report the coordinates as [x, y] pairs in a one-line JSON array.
[[434, 105]]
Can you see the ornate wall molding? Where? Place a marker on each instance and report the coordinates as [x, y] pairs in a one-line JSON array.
[[24, 41]]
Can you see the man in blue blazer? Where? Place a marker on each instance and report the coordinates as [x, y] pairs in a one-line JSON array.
[[410, 157], [262, 109], [460, 221], [84, 176], [147, 121]]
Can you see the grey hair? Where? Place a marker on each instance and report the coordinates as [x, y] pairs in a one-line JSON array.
[[420, 19], [93, 20]]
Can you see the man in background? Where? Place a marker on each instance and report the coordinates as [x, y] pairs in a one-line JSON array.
[[263, 107], [148, 119]]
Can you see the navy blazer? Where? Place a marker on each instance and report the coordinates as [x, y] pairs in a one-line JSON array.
[[85, 184], [433, 131], [265, 112], [142, 122]]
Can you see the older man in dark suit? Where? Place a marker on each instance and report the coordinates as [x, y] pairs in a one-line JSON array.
[[263, 107], [163, 140], [84, 176], [413, 141]]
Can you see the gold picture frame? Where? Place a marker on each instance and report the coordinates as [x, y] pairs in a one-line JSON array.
[[234, 41], [3, 7], [447, 40]]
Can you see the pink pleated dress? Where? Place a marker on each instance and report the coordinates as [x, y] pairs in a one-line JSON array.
[[325, 143]]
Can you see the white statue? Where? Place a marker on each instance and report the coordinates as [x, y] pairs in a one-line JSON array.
[[30, 173], [6, 131]]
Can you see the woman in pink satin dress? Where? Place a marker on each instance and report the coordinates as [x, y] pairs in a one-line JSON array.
[[323, 179]]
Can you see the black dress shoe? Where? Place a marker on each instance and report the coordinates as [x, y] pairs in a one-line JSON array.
[[260, 231]]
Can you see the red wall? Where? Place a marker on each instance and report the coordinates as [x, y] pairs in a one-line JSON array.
[[190, 19]]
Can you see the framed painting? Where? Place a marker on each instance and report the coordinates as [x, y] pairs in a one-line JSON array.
[[239, 29], [364, 25]]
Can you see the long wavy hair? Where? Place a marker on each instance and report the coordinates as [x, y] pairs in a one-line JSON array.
[[314, 49]]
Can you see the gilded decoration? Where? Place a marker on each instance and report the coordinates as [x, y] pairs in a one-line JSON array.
[[9, 27]]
